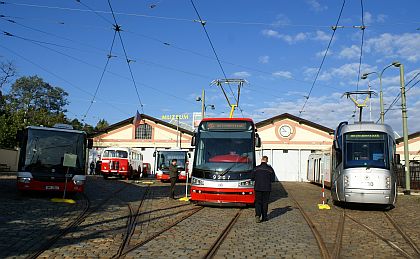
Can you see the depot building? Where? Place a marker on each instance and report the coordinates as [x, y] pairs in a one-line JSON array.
[[286, 139]]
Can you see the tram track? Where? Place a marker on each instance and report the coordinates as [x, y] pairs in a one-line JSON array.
[[86, 211], [131, 223], [394, 245], [218, 242], [319, 240], [157, 234]]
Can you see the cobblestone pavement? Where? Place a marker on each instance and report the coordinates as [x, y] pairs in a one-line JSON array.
[[27, 222], [357, 242]]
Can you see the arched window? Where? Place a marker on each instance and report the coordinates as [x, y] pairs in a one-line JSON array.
[[144, 131]]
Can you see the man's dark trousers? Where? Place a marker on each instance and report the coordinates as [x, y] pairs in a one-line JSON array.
[[172, 191], [261, 204]]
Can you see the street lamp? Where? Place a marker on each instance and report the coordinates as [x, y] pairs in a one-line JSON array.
[[405, 128], [381, 95]]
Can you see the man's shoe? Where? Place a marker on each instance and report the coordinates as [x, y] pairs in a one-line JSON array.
[[257, 219]]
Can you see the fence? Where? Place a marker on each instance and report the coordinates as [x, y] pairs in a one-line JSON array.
[[414, 176]]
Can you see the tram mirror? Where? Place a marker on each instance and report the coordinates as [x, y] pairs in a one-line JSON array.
[[257, 140], [90, 143], [397, 159], [189, 155], [193, 140], [154, 154], [336, 147]]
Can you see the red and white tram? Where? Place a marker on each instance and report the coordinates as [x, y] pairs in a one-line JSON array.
[[121, 162], [41, 159], [224, 160]]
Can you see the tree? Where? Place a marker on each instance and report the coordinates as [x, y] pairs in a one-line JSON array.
[[41, 103], [102, 124], [7, 72], [31, 101]]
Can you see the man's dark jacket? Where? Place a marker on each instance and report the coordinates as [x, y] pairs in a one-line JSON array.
[[173, 171], [263, 175]]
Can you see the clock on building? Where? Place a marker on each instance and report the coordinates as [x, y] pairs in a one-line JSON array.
[[285, 131]]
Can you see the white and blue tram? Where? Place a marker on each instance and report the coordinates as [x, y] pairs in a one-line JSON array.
[[364, 160]]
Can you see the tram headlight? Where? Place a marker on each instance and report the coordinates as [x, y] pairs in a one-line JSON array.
[[246, 183], [346, 181], [25, 179], [196, 181]]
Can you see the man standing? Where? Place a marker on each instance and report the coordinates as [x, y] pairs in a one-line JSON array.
[[263, 175], [173, 174]]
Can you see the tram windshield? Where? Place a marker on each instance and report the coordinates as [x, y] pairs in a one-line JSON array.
[[115, 154], [45, 149], [366, 149], [223, 151], [165, 159]]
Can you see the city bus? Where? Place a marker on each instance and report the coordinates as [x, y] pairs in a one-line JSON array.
[[42, 152], [121, 162], [224, 159], [163, 158]]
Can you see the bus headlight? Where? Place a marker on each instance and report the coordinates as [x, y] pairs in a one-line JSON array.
[[196, 181], [346, 181], [246, 183], [388, 182], [24, 179], [79, 182]]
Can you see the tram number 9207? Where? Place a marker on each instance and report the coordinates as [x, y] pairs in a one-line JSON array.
[[221, 177]]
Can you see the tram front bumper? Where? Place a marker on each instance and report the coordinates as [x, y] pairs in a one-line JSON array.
[[377, 196], [223, 195]]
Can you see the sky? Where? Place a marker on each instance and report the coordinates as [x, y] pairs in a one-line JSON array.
[[276, 46]]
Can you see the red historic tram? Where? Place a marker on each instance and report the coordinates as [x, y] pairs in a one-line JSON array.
[[224, 160]]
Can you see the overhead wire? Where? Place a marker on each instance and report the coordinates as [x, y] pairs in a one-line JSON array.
[[361, 45], [396, 99], [323, 59], [203, 23], [117, 28], [165, 43], [100, 68], [109, 56], [192, 20], [59, 77]]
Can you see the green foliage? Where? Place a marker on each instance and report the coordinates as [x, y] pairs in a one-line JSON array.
[[102, 124]]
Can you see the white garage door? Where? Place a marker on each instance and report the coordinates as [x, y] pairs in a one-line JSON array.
[[286, 164]]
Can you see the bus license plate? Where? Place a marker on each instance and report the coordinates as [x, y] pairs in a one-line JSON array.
[[52, 188]]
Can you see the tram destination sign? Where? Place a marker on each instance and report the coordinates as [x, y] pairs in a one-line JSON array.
[[358, 136], [226, 125]]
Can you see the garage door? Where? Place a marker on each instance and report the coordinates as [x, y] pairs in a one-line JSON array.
[[286, 164]]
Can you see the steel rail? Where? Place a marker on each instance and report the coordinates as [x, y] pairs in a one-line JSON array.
[[319, 240], [142, 243], [403, 234], [387, 241], [215, 246]]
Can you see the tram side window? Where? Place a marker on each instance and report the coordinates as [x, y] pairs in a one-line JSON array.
[[144, 131]]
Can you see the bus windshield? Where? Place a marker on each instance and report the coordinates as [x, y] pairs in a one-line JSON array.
[[366, 149], [224, 151], [165, 157], [115, 154], [45, 149]]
